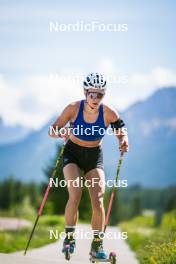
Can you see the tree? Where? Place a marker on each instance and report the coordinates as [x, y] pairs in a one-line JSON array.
[[58, 195], [7, 193], [135, 206]]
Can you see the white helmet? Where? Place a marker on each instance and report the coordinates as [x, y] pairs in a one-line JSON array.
[[94, 81]]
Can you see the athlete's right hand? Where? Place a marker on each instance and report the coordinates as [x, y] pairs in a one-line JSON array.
[[65, 136]]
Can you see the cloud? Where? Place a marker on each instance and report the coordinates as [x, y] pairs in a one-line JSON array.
[[142, 85], [33, 100], [36, 99], [139, 86]]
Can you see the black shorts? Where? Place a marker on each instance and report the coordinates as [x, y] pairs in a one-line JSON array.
[[87, 158]]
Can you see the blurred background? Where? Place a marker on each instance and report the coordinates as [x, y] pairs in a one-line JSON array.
[[41, 71]]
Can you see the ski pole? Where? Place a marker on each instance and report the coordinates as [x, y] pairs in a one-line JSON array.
[[44, 199], [113, 192]]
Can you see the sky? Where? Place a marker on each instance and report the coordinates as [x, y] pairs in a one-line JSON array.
[[41, 70]]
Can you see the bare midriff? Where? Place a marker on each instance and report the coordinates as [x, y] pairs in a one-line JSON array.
[[82, 143]]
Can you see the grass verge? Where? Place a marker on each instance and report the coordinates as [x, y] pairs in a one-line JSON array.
[[152, 245], [11, 241]]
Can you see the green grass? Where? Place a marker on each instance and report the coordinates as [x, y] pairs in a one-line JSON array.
[[152, 245], [160, 249], [11, 241]]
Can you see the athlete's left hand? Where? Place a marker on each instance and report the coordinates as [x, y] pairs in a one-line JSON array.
[[123, 144]]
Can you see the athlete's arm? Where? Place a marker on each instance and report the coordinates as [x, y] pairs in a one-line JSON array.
[[61, 121], [118, 127]]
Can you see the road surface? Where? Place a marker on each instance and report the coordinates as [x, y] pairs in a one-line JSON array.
[[51, 254], [12, 223]]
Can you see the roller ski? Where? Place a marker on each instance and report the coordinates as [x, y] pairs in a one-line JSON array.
[[68, 248], [97, 253]]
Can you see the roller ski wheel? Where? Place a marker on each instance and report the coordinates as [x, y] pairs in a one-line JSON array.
[[66, 251], [112, 259]]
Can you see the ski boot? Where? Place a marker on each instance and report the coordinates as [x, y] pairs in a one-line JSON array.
[[97, 253]]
